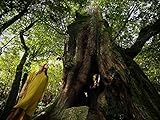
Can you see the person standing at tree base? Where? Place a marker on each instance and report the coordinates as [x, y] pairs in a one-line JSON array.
[[30, 95]]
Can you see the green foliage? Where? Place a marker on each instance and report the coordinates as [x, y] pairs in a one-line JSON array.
[[45, 45], [149, 60], [8, 62], [47, 37]]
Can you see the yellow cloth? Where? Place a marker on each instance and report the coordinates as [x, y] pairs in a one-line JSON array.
[[33, 93]]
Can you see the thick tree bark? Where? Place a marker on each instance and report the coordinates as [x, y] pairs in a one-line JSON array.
[[11, 100], [144, 94], [116, 87]]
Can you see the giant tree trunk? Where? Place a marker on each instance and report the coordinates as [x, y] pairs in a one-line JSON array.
[[116, 87]]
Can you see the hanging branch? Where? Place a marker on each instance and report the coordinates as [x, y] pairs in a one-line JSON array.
[[16, 83], [13, 19], [144, 35], [21, 35], [1, 48]]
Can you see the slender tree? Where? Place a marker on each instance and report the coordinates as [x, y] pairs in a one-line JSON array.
[[16, 83]]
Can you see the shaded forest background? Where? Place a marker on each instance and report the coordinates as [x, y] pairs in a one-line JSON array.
[[37, 31]]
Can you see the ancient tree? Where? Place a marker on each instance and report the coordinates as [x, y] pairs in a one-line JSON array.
[[103, 76]]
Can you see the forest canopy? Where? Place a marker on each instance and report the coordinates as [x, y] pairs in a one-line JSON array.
[[33, 32]]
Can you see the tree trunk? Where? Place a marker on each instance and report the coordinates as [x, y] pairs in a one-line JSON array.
[[11, 100], [14, 90], [116, 87]]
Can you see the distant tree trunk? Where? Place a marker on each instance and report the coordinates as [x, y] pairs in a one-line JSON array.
[[25, 75], [11, 100], [14, 90], [117, 89]]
